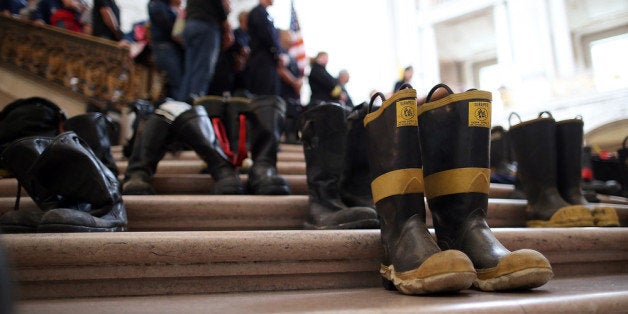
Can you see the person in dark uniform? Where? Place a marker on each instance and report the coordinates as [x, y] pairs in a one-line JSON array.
[[345, 98], [266, 51], [205, 25], [106, 19], [228, 78], [325, 88], [167, 52], [291, 83], [407, 77]]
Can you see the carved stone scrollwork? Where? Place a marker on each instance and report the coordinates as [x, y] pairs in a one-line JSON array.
[[87, 65]]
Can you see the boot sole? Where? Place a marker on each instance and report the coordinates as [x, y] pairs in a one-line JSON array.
[[55, 228], [360, 224], [605, 216], [569, 216], [459, 275], [520, 280]]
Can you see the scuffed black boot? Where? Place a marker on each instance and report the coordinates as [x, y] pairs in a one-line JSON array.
[[140, 110], [534, 145], [501, 168], [455, 134], [569, 138], [324, 146], [149, 147], [412, 262], [355, 188], [19, 157], [266, 118], [194, 129], [93, 128], [69, 168]]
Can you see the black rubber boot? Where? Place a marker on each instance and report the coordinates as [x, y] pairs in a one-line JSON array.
[[324, 146], [412, 262], [266, 118], [455, 135], [93, 128], [622, 156], [355, 188], [18, 157], [141, 109], [149, 148], [534, 144], [194, 129], [69, 168], [501, 168], [569, 138]]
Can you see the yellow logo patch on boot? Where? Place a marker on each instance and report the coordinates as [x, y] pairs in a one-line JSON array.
[[407, 113], [480, 114]]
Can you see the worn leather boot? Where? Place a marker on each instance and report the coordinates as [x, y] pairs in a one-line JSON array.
[[569, 138], [455, 134], [534, 145], [18, 157], [324, 146], [412, 262], [265, 121], [93, 128], [194, 129], [69, 168], [149, 147], [355, 189]]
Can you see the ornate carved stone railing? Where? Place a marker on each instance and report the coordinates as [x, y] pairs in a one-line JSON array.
[[91, 66]]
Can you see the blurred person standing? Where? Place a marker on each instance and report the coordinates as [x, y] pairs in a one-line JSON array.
[[106, 20], [205, 25], [406, 78], [325, 88], [266, 52], [291, 83], [343, 79], [167, 52]]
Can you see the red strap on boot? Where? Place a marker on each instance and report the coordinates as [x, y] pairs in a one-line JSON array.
[[242, 153], [221, 136]]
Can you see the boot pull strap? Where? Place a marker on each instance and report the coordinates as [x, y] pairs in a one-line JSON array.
[[18, 196], [405, 85], [510, 118], [241, 153], [378, 94], [548, 113], [221, 136], [440, 85]]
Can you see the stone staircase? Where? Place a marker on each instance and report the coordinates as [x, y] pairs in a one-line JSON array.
[[188, 251]]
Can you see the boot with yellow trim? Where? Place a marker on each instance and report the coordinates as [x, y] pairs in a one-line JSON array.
[[455, 135], [569, 138], [412, 262], [534, 146]]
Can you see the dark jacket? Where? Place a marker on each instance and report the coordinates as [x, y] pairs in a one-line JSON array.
[[264, 35], [162, 18], [206, 10], [322, 84]]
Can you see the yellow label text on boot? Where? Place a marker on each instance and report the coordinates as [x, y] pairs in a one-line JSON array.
[[407, 113], [480, 114]]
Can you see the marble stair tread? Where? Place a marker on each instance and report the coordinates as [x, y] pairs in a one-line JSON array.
[[249, 212], [586, 294], [196, 166], [191, 155], [164, 263], [202, 184]]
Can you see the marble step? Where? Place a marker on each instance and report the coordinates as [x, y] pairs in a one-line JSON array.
[[165, 263], [191, 155], [255, 212], [581, 294], [177, 166], [202, 184]]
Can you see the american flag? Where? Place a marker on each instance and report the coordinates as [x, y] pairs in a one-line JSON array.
[[297, 50]]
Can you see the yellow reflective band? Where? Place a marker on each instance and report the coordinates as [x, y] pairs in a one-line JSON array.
[[209, 98], [473, 94], [397, 182], [402, 94], [454, 181]]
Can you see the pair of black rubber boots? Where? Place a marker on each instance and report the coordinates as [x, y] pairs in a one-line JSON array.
[[549, 164], [71, 179], [193, 128], [438, 149]]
